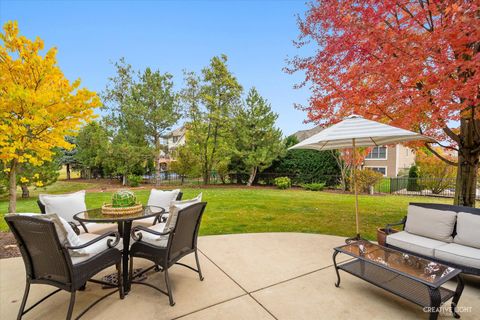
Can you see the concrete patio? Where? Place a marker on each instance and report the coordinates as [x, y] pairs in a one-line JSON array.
[[247, 276]]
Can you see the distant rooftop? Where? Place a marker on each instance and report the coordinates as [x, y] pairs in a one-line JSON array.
[[304, 134]]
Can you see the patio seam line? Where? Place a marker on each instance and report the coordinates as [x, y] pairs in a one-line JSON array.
[[248, 293], [296, 277], [207, 307]]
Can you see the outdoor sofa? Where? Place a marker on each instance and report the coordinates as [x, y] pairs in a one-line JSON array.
[[443, 233]]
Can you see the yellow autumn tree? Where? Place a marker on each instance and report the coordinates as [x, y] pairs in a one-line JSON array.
[[38, 105]]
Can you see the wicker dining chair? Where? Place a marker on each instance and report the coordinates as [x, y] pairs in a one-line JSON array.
[[48, 262], [181, 240]]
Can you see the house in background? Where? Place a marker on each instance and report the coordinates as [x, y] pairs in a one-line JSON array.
[[170, 142], [391, 161]]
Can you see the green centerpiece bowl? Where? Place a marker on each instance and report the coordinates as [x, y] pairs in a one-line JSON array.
[[123, 199]]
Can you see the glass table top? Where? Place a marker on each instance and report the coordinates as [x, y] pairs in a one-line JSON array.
[[97, 215], [418, 268]]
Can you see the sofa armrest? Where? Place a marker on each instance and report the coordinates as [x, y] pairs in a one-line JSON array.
[[388, 227]]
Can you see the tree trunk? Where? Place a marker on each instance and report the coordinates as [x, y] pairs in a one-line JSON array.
[[158, 167], [124, 180], [12, 187], [467, 169], [68, 171], [253, 173], [206, 176], [25, 191]]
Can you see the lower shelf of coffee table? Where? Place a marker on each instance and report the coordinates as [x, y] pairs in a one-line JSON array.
[[402, 286]]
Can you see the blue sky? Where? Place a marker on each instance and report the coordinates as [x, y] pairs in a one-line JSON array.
[[172, 36]]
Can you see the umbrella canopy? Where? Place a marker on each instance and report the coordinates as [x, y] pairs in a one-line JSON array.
[[355, 131], [367, 133]]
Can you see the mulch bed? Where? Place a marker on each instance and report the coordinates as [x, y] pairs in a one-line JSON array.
[[8, 246]]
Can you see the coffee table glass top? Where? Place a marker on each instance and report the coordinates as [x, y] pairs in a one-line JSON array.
[[412, 266], [96, 215]]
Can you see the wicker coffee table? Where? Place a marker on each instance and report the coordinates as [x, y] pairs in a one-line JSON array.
[[412, 278]]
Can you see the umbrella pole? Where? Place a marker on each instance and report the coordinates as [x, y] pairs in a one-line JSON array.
[[355, 188]]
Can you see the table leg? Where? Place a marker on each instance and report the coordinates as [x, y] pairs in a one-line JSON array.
[[458, 294], [435, 301], [127, 227]]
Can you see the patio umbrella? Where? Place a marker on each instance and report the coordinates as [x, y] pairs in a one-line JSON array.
[[355, 131]]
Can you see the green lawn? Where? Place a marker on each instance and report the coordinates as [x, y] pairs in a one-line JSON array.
[[241, 210]]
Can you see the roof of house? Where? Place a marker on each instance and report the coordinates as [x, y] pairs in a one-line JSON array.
[[304, 134]]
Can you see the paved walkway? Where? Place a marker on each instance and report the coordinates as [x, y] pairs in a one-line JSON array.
[[247, 276]]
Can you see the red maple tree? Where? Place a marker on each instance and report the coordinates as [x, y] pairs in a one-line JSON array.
[[412, 64]]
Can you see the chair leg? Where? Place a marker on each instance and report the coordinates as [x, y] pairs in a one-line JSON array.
[[198, 266], [130, 270], [167, 282], [120, 280], [24, 300], [70, 306]]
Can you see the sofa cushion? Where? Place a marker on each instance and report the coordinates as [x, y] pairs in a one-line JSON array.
[[176, 207], [431, 223], [162, 198], [91, 250], [468, 230], [64, 205], [459, 254], [414, 243]]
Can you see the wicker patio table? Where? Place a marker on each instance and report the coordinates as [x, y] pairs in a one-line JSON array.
[[124, 228], [413, 278]]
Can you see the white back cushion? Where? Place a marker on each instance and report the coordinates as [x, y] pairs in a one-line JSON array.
[[468, 229], [64, 205], [65, 233], [177, 206], [162, 198], [431, 223]]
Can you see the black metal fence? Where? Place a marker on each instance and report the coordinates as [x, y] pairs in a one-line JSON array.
[[438, 187]]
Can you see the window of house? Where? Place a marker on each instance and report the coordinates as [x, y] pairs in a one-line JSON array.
[[379, 153], [175, 139], [382, 170]]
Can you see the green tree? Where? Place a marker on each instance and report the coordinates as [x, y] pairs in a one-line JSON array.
[[68, 157], [186, 163], [124, 158], [144, 107], [154, 108], [258, 141], [210, 102], [93, 143], [306, 166]]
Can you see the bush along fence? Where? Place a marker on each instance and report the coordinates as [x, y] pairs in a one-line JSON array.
[[438, 187]]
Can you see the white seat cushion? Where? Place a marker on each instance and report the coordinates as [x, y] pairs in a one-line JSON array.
[[431, 223], [147, 222], [177, 206], [413, 243], [468, 230], [159, 241], [91, 250], [64, 205], [162, 198], [99, 228], [459, 254]]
